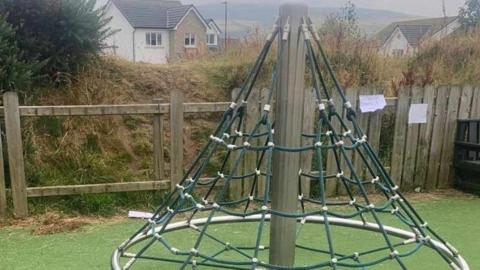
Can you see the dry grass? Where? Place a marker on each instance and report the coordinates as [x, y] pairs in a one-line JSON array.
[[55, 222], [454, 60]]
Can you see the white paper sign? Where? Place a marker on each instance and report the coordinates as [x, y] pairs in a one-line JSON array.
[[418, 114], [372, 103], [138, 214]]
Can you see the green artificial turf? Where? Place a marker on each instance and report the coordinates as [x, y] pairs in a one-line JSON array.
[[456, 219]]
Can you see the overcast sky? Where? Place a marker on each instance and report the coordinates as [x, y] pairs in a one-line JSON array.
[[416, 7]]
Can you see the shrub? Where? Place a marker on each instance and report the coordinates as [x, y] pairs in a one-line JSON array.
[[352, 54], [66, 34], [470, 14], [15, 74]]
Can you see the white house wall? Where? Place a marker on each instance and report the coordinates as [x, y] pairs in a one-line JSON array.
[[151, 54], [120, 43], [397, 41]]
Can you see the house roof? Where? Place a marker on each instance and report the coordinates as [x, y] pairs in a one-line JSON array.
[[164, 14], [414, 30], [212, 22], [176, 14]]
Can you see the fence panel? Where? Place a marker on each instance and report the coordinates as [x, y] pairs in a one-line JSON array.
[[401, 119], [424, 138], [374, 130], [437, 138], [308, 128], [362, 120], [331, 186], [475, 113], [250, 157], [411, 144], [261, 185], [15, 154], [446, 164], [235, 187]]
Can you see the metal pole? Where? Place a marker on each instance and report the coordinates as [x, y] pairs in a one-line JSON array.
[[226, 23], [288, 129]]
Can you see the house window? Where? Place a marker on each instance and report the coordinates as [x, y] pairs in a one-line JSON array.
[[153, 39], [190, 40], [211, 39], [397, 52]]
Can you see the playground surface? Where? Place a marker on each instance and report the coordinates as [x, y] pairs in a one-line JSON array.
[[90, 246]]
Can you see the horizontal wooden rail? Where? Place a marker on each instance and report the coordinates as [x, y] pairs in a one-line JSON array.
[[97, 188], [133, 109], [65, 190]]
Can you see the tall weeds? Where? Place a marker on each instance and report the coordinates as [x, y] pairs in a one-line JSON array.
[[453, 60]]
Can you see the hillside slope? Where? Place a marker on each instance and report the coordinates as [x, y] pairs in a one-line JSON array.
[[242, 17]]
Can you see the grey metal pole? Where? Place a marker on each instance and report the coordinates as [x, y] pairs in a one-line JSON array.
[[226, 24], [288, 129]]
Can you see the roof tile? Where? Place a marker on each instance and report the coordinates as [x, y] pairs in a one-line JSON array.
[[165, 14], [415, 30]]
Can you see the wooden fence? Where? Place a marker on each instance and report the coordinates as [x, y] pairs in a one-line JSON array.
[[421, 157]]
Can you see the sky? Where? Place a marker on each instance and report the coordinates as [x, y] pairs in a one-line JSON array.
[[428, 8]]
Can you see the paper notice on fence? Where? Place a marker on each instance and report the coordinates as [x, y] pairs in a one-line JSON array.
[[138, 214], [418, 114], [372, 103]]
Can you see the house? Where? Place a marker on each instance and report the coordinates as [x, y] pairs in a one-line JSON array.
[[158, 31], [404, 38]]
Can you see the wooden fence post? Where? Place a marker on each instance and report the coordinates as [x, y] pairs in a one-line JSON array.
[[158, 144], [15, 154], [3, 194], [176, 137]]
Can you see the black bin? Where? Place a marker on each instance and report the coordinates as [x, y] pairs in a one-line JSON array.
[[467, 155]]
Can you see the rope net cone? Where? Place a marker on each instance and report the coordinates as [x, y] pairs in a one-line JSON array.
[[372, 226]]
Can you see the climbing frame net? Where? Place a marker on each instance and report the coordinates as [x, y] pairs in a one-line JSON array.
[[201, 204]]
